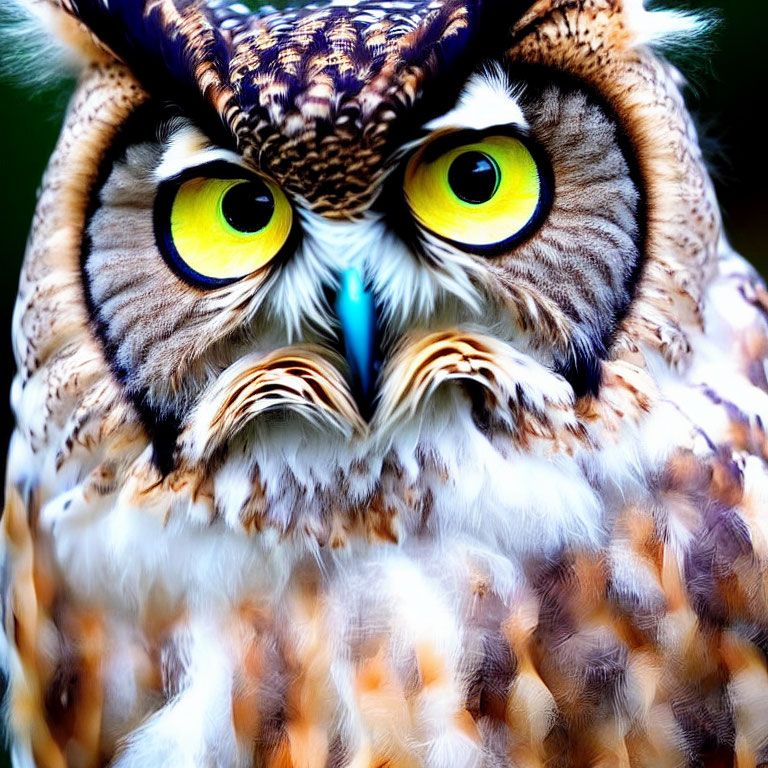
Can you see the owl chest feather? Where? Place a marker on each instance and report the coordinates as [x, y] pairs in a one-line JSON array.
[[451, 601]]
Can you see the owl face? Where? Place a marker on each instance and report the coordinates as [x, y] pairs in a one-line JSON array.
[[297, 267], [336, 219]]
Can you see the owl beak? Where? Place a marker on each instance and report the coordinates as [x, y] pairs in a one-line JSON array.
[[356, 310]]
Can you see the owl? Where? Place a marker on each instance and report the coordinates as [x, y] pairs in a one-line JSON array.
[[388, 395]]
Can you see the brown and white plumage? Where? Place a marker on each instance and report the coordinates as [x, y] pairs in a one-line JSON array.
[[548, 541]]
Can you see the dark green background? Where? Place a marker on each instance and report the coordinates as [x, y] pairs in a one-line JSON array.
[[727, 95]]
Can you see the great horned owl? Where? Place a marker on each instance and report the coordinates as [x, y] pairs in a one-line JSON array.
[[387, 395]]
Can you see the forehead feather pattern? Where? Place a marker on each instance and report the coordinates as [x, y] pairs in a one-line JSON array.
[[308, 94]]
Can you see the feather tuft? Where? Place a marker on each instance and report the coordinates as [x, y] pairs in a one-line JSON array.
[[675, 30], [42, 44]]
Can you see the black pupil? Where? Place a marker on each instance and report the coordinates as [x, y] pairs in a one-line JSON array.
[[248, 207], [474, 177]]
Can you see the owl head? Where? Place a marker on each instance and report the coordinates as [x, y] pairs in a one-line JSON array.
[[305, 254]]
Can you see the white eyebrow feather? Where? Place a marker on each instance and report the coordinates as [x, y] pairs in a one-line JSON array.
[[187, 148], [488, 99]]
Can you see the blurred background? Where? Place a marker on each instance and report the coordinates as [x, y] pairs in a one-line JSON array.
[[729, 88]]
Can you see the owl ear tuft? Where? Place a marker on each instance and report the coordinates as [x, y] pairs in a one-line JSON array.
[[663, 28], [43, 43]]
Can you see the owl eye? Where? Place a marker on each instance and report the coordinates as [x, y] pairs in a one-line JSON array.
[[488, 193], [214, 230]]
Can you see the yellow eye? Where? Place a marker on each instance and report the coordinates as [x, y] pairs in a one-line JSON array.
[[216, 230], [481, 194]]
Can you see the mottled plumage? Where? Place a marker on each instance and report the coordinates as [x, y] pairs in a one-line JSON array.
[[541, 540]]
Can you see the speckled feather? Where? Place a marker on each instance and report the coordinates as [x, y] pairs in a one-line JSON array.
[[315, 89], [493, 570]]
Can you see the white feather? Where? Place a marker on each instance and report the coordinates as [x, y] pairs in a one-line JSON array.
[[487, 99], [36, 51], [665, 28]]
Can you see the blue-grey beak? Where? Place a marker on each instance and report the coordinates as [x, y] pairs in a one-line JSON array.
[[356, 310]]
